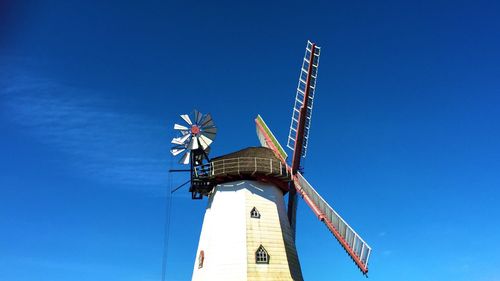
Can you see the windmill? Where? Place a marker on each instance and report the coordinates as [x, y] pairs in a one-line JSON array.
[[247, 232], [193, 144]]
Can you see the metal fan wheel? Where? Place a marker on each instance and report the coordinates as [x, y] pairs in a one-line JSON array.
[[198, 132]]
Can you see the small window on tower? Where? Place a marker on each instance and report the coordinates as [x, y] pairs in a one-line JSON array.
[[201, 258], [261, 256], [255, 213]]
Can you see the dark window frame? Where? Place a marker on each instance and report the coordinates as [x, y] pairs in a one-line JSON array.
[[254, 213], [262, 256]]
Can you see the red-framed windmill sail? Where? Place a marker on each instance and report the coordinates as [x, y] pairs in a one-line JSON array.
[[304, 99], [301, 119], [298, 137]]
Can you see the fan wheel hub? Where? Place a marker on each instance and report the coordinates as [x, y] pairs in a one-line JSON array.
[[195, 130]]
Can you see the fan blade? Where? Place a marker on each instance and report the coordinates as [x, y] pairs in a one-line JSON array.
[[186, 118], [208, 135], [205, 142], [176, 151], [197, 117], [185, 138], [185, 158], [180, 127], [354, 245], [194, 143], [181, 140], [177, 141], [212, 130], [207, 120]]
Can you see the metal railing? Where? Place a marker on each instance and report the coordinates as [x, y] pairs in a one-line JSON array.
[[243, 166]]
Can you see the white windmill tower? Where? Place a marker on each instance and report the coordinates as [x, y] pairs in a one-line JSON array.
[[248, 233]]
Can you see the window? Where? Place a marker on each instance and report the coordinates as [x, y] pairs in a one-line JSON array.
[[254, 213], [261, 256], [201, 258]]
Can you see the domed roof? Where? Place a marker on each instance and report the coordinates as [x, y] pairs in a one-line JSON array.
[[260, 152]]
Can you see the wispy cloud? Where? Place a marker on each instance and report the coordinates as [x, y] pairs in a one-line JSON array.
[[105, 144]]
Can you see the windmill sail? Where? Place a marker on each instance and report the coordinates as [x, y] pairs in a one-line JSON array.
[[298, 138], [267, 138], [354, 245], [304, 100]]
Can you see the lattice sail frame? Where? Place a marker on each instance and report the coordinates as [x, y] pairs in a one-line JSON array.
[[354, 245], [304, 80]]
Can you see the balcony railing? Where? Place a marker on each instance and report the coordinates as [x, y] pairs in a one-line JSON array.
[[243, 166]]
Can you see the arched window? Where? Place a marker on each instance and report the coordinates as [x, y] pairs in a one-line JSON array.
[[255, 213], [201, 258], [261, 255]]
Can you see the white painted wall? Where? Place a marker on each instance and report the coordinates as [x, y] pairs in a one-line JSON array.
[[223, 236], [230, 237]]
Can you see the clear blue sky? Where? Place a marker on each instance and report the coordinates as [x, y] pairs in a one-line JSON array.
[[405, 136]]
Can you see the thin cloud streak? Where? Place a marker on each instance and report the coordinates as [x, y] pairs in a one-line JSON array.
[[108, 146]]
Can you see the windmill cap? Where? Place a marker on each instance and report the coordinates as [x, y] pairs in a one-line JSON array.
[[253, 163]]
